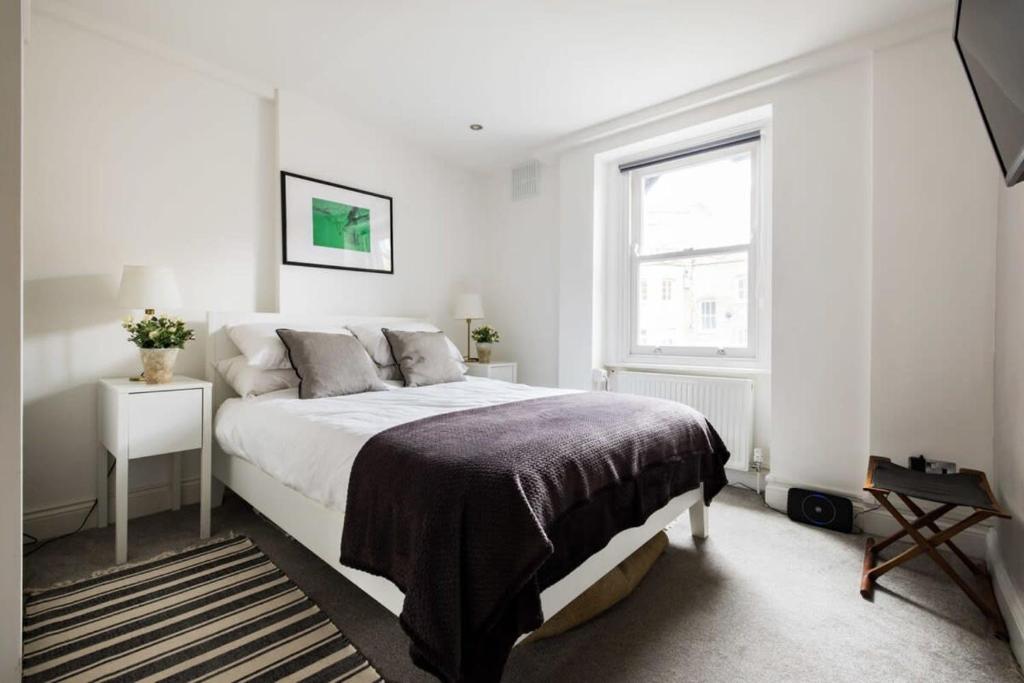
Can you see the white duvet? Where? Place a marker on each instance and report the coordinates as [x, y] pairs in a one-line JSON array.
[[310, 445]]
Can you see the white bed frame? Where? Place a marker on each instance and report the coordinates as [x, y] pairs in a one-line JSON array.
[[318, 528]]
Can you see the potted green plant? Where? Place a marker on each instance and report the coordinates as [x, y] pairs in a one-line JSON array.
[[159, 339], [484, 336]]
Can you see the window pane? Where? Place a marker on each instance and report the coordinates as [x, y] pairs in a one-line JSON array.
[[698, 206], [706, 306]]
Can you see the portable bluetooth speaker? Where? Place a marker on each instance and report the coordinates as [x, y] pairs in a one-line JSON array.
[[820, 509]]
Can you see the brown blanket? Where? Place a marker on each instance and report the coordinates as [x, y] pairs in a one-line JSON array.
[[473, 513]]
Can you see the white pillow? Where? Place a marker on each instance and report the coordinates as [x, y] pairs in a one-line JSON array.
[[373, 340], [249, 381], [263, 348]]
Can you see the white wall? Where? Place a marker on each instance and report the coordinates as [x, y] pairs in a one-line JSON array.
[[152, 162], [437, 209], [821, 279], [820, 255], [521, 286], [129, 159], [1009, 407], [10, 338], [883, 250], [133, 158], [933, 259]]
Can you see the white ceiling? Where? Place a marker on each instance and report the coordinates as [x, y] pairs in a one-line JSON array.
[[531, 71]]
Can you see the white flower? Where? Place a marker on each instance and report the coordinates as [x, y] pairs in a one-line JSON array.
[[153, 335]]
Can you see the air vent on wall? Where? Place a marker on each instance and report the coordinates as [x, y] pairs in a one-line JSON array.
[[525, 180]]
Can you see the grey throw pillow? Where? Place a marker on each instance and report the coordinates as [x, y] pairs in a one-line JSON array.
[[330, 364], [424, 358]]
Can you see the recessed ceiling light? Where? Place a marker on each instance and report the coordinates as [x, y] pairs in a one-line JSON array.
[[475, 126]]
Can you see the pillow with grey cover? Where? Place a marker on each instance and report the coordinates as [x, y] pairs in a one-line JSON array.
[[330, 364], [423, 357]]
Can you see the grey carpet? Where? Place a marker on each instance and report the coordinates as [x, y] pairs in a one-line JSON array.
[[763, 599]]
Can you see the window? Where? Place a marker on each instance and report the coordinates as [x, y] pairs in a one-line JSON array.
[[693, 225], [708, 315]]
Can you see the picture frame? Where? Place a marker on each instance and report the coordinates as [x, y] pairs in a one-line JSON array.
[[329, 225]]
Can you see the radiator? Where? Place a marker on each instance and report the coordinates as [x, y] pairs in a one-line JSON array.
[[727, 402]]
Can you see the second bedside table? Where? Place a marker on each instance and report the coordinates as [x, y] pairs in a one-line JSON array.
[[137, 420], [505, 371]]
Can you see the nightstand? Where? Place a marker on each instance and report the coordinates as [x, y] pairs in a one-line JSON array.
[[503, 371], [138, 420]]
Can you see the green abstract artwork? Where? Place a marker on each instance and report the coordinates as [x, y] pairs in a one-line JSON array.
[[340, 226]]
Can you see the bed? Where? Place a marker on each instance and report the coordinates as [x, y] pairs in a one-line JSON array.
[[308, 501]]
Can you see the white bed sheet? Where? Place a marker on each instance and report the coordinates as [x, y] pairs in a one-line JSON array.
[[310, 445]]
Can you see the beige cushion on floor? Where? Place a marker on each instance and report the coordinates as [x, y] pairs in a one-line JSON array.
[[609, 589]]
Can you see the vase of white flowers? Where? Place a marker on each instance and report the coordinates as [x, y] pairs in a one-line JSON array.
[[158, 365], [484, 336], [159, 339]]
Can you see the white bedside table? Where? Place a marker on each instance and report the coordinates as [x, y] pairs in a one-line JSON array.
[[505, 371], [137, 420]]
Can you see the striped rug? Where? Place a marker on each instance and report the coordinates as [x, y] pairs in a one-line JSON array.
[[221, 612]]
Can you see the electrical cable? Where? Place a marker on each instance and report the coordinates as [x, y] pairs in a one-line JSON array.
[[870, 509], [760, 496], [35, 541], [857, 530]]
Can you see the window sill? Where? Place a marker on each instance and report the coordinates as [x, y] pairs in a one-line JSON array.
[[691, 369]]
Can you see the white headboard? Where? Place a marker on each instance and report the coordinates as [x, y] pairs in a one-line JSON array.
[[219, 346]]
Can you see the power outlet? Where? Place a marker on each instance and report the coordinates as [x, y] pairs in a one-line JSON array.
[[923, 464], [758, 458], [940, 467], [759, 466]]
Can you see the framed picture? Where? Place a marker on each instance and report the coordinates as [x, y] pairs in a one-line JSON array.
[[326, 225]]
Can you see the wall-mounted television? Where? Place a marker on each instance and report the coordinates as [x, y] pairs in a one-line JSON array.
[[989, 36]]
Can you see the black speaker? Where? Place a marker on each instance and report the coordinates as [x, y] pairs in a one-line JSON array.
[[820, 509]]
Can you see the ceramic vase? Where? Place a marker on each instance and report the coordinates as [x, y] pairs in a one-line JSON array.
[[158, 365]]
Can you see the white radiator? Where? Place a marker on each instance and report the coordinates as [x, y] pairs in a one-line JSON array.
[[727, 402]]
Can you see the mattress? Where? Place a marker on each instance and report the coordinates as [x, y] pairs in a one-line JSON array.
[[310, 445]]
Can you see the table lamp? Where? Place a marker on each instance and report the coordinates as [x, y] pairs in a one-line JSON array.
[[148, 288], [468, 307]]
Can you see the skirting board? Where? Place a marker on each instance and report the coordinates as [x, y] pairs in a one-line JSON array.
[[1011, 604], [747, 478], [63, 519], [880, 523]]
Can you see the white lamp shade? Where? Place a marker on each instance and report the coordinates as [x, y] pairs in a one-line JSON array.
[[148, 287], [468, 306]]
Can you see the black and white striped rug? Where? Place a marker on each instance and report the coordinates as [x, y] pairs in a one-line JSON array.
[[221, 612]]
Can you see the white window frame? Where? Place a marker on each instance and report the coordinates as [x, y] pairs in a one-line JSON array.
[[634, 194]]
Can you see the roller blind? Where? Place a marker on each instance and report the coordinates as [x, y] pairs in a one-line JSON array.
[[691, 151]]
